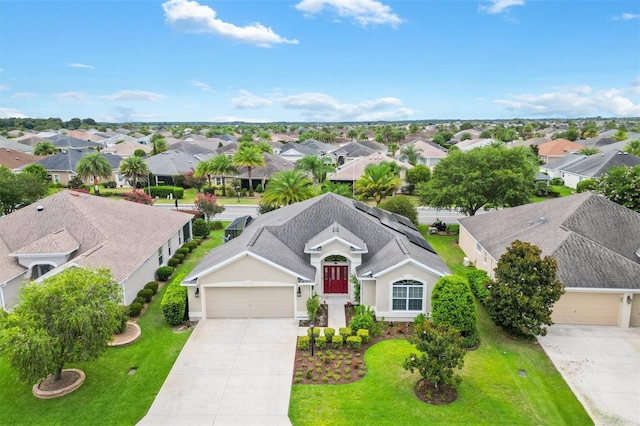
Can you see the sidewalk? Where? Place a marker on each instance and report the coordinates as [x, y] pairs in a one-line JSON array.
[[337, 318]]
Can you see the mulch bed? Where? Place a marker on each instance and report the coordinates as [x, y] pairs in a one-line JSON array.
[[322, 317], [51, 384], [426, 392]]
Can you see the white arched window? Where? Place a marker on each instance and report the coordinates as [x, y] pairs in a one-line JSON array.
[[407, 295]]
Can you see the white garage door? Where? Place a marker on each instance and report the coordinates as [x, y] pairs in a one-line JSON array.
[[249, 302], [587, 308], [635, 311]]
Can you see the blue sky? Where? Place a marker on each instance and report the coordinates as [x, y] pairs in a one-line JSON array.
[[318, 60]]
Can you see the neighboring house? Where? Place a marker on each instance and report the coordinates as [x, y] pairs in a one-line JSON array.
[[469, 144], [167, 164], [30, 141], [76, 229], [12, 159], [595, 166], [117, 139], [352, 150], [85, 135], [353, 170], [14, 145], [295, 151], [66, 142], [260, 175], [596, 243], [557, 148], [127, 149], [554, 168], [192, 148], [62, 166], [429, 153], [317, 246]]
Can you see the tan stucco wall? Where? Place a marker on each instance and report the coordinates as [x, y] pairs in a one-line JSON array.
[[368, 292], [247, 268], [10, 291], [477, 258]]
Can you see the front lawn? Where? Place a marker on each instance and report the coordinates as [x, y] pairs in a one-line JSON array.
[[109, 395]]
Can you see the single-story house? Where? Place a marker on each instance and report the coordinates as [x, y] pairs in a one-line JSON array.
[[260, 175], [429, 153], [557, 148], [126, 149], [321, 245], [594, 166], [12, 159], [71, 228], [169, 163], [353, 170], [68, 142], [596, 243]]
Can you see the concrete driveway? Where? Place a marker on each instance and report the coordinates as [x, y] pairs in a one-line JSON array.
[[602, 367], [230, 372]]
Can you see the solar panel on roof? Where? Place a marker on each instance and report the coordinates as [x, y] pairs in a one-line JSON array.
[[420, 242], [403, 220]]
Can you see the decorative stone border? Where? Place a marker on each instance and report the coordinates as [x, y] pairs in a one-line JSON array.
[[129, 337], [63, 391]]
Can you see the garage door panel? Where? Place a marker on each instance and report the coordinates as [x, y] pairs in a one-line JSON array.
[[587, 308], [635, 311], [249, 302]]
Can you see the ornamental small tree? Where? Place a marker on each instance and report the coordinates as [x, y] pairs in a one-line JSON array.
[[525, 288], [207, 204], [440, 354], [69, 317], [139, 196], [453, 304]]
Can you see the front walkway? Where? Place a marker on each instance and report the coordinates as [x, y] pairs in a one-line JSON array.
[[601, 365], [337, 319], [230, 372]]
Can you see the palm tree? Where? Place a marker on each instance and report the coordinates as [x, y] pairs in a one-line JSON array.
[[410, 154], [93, 165], [159, 144], [222, 165], [45, 148], [337, 188], [589, 151], [287, 187], [393, 148], [134, 169], [633, 147], [249, 156], [378, 182], [318, 167], [204, 168]]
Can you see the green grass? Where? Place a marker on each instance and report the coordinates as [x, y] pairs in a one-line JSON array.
[[109, 395], [491, 392], [563, 190]]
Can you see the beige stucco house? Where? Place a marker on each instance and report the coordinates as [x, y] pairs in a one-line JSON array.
[[318, 246], [596, 243], [70, 229]]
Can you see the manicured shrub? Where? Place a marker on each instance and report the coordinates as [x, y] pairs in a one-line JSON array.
[[110, 184], [179, 256], [147, 293], [183, 250], [329, 333], [198, 240], [452, 303], [303, 342], [364, 335], [337, 341], [193, 244], [200, 228], [174, 303], [354, 342], [321, 342], [123, 312], [420, 318], [478, 281], [362, 318], [152, 285], [134, 309], [173, 262], [140, 300], [163, 273], [556, 182], [165, 191], [345, 332], [316, 331], [216, 225]]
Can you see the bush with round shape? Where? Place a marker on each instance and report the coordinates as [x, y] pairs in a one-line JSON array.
[[174, 302], [147, 293], [303, 342], [152, 285], [173, 262], [134, 309], [337, 341], [329, 333], [316, 331], [179, 256], [200, 228], [354, 343], [321, 342], [345, 332], [193, 244], [362, 318], [364, 335], [183, 250], [163, 273], [140, 300], [556, 181], [452, 304]]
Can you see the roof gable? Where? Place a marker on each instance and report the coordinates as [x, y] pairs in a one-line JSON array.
[[336, 232]]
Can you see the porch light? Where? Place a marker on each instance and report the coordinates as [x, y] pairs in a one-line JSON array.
[[299, 291], [629, 299], [197, 292]]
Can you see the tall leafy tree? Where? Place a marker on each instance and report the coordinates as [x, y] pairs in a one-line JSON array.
[[69, 317], [337, 188], [525, 288], [93, 166], [621, 185], [287, 187], [249, 156], [377, 182], [401, 205], [135, 170], [416, 175], [491, 176], [19, 190], [45, 148], [222, 165], [38, 171], [318, 167], [207, 204]]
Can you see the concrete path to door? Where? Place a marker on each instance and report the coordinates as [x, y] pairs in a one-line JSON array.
[[230, 372], [601, 365]]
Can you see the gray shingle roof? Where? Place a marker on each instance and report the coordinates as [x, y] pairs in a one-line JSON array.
[[68, 142], [596, 165], [335, 230], [272, 164], [593, 239], [280, 236], [169, 163], [67, 160]]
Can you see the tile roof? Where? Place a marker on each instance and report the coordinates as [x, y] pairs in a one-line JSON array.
[[558, 147], [280, 237], [578, 231], [117, 234], [13, 159]]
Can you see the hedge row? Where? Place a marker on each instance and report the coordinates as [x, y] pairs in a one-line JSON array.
[[165, 191], [478, 281]]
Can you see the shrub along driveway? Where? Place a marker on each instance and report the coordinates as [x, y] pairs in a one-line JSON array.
[[230, 371]]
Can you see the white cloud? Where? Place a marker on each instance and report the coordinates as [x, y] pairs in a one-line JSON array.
[[72, 97], [134, 95], [364, 12], [322, 107], [11, 113], [580, 101], [200, 85], [191, 16], [24, 95], [499, 6], [3, 88], [626, 17], [76, 65], [248, 100]]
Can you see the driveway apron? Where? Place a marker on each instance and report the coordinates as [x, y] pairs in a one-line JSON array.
[[601, 365], [230, 372]]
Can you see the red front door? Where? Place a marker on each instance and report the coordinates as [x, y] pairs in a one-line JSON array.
[[335, 279]]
